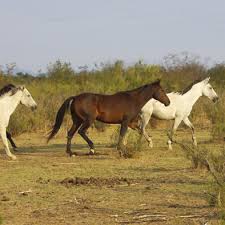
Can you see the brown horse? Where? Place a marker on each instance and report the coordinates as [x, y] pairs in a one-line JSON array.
[[119, 108]]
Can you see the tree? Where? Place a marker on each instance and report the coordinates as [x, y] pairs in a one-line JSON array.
[[60, 70], [10, 68]]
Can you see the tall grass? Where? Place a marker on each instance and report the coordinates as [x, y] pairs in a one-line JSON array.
[[61, 81], [216, 113]]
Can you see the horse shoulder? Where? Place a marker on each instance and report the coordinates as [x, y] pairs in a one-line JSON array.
[[4, 118]]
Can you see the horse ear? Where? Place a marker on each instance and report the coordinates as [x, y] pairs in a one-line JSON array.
[[21, 87], [14, 90], [157, 81], [207, 80]]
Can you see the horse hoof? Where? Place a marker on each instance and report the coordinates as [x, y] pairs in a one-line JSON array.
[[71, 154], [169, 145], [91, 152], [150, 145], [13, 157], [120, 153]]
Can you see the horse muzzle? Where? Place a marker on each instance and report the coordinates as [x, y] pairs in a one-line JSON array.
[[167, 103], [215, 99], [34, 107]]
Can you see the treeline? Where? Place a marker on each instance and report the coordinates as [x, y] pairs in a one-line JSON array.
[[61, 81]]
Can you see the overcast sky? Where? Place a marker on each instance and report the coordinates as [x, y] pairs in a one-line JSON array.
[[35, 33]]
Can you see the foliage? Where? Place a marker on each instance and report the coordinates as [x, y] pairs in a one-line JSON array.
[[217, 116], [61, 81], [218, 74], [60, 70]]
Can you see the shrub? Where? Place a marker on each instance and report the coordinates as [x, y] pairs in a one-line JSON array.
[[133, 142]]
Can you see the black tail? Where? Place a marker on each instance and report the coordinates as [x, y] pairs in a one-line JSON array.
[[59, 118]]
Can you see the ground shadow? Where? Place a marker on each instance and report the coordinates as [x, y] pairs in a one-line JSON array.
[[80, 150], [55, 148], [161, 169]]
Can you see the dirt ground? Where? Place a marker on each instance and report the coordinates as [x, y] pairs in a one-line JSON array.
[[44, 186]]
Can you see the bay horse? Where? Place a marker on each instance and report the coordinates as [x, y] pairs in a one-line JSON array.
[[180, 107], [119, 108], [10, 97]]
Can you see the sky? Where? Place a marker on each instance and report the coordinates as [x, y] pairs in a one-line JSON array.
[[84, 32]]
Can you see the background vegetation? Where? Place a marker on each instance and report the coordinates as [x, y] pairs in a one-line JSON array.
[[61, 81]]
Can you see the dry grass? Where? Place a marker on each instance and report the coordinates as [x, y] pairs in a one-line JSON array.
[[160, 187]]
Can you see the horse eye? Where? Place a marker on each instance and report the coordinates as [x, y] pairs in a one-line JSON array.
[[28, 95]]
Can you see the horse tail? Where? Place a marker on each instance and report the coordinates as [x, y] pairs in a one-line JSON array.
[[59, 118]]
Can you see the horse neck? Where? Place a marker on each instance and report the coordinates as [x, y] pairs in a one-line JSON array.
[[144, 95], [193, 95], [11, 102]]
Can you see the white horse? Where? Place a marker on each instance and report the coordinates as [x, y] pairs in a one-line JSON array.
[[179, 109], [10, 97]]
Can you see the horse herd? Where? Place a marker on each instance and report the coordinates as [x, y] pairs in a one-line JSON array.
[[132, 108]]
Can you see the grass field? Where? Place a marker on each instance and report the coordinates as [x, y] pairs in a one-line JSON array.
[[157, 186]]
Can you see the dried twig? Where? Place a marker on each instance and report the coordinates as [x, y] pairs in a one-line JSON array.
[[155, 217], [25, 192], [190, 216], [146, 216]]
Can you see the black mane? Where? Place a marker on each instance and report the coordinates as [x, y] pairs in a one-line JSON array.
[[7, 88], [190, 86]]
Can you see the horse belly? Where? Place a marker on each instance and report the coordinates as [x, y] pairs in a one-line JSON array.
[[109, 117], [164, 113]]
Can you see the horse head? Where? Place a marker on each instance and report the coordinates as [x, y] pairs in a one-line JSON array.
[[26, 98], [208, 90], [159, 93]]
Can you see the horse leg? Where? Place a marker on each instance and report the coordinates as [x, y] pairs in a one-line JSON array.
[[190, 125], [82, 131], [177, 122], [123, 130], [125, 139], [5, 143], [9, 137], [70, 135], [145, 117]]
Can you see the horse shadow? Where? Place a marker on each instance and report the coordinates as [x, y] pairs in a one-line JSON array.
[[78, 149]]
